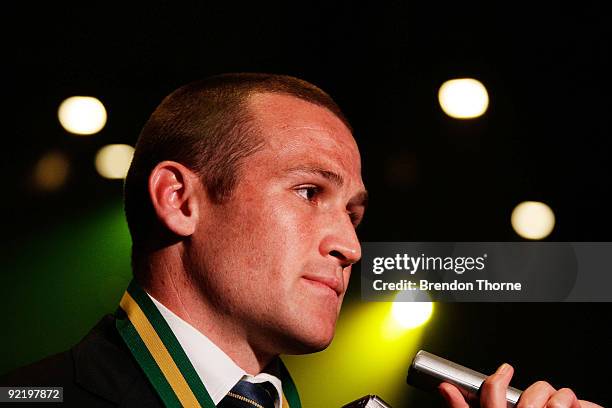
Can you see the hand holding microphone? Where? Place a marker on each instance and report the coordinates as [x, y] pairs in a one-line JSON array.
[[462, 387]]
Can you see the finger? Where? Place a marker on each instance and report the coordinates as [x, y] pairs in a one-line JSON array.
[[587, 404], [452, 396], [564, 398], [536, 395], [495, 386]]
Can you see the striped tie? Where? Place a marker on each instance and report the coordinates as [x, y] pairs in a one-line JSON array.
[[250, 395]]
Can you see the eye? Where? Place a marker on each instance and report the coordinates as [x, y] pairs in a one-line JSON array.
[[308, 192]]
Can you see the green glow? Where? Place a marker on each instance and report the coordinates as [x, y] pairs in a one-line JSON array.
[[61, 281]]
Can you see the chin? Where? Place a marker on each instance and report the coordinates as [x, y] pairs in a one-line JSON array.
[[309, 326], [320, 342], [317, 337]]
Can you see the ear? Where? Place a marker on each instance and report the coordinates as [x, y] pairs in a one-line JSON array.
[[176, 193]]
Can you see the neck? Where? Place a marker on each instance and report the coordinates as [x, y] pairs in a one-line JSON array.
[[172, 287]]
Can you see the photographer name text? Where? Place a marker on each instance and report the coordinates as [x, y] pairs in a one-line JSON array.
[[425, 285]]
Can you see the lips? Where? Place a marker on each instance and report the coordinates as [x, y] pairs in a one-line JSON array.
[[331, 282]]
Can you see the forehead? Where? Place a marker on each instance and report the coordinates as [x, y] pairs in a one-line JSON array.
[[296, 131]]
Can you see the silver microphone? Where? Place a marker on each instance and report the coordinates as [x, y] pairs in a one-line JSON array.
[[427, 371], [369, 401]]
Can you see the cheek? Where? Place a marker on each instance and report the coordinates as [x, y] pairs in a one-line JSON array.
[[269, 238], [284, 225]]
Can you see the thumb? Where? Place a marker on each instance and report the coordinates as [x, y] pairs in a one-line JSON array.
[[493, 390]]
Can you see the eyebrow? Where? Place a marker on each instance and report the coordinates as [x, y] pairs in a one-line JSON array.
[[331, 176], [359, 199]]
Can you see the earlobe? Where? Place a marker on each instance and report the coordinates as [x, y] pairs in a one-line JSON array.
[[175, 192]]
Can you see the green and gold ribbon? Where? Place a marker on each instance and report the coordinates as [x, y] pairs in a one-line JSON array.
[[160, 355]]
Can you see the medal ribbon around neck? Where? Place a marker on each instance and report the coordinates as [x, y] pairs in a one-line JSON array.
[[160, 355]]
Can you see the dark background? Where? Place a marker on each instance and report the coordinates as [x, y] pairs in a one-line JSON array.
[[545, 137]]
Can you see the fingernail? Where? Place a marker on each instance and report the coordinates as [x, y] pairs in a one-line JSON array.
[[502, 369]]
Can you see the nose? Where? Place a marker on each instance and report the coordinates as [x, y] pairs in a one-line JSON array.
[[341, 243]]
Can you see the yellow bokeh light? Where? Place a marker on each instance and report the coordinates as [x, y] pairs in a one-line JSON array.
[[113, 161], [82, 115], [51, 171], [409, 315], [463, 98], [533, 220]]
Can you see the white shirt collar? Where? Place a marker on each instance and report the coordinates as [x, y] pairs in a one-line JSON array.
[[218, 372]]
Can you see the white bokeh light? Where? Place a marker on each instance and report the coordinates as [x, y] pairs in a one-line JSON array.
[[82, 115], [411, 314], [113, 161], [463, 98], [414, 311], [533, 220]]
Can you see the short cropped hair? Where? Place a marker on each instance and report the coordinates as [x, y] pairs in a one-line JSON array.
[[206, 126]]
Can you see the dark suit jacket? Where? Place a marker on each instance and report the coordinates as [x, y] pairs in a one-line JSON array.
[[97, 372]]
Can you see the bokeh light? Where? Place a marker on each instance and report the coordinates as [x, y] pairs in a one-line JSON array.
[[113, 161], [533, 220], [51, 171], [463, 98], [411, 314], [82, 115]]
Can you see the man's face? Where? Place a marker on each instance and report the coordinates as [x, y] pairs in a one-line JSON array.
[[276, 258]]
